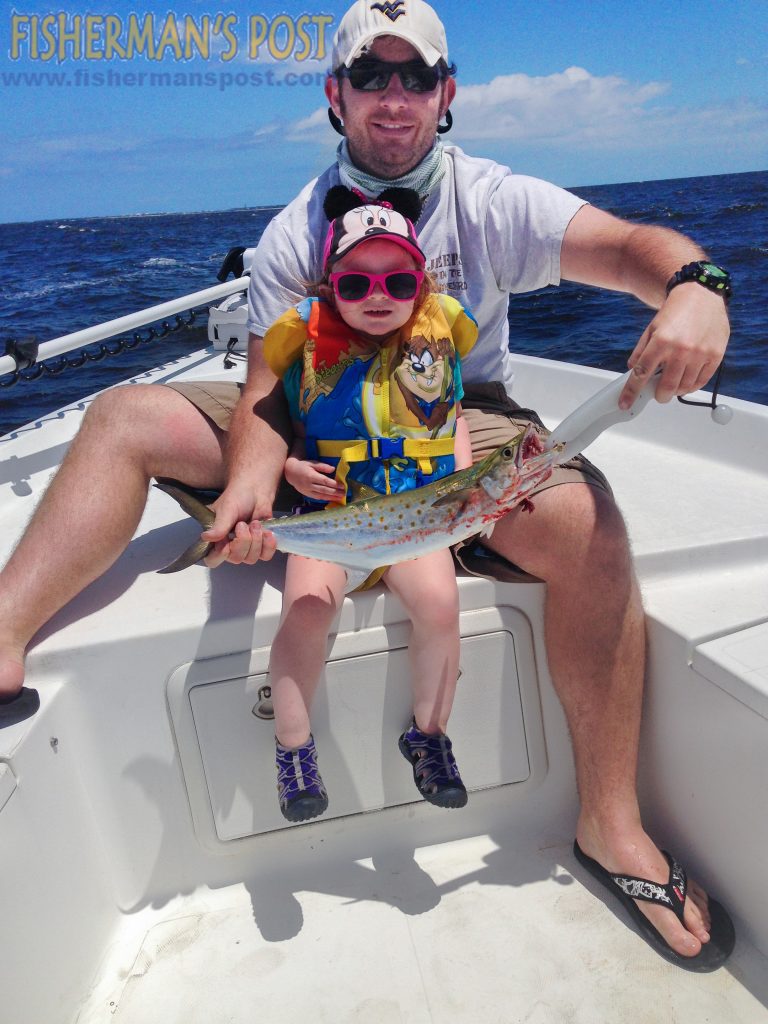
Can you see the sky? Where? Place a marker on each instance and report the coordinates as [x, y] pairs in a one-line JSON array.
[[576, 93]]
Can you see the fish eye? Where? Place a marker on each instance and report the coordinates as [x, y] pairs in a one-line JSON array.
[[508, 453]]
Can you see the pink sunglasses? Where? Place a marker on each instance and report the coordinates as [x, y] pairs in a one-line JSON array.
[[356, 285]]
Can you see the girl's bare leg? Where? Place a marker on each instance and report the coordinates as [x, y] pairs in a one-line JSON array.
[[313, 593], [427, 587]]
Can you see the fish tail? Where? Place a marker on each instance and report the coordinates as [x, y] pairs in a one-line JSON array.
[[188, 500], [194, 553], [194, 507]]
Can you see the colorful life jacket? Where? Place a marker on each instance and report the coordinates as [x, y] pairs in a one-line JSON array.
[[384, 414]]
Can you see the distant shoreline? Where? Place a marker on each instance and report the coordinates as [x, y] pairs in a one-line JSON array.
[[279, 206]]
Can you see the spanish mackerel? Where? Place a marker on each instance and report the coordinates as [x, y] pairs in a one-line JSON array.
[[386, 529], [383, 530]]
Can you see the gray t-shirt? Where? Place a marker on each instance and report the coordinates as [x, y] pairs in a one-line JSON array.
[[486, 233]]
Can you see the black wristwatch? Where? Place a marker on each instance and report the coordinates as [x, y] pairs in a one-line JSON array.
[[707, 274]]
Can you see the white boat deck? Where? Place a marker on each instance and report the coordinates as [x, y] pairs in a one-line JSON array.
[[494, 928], [146, 872]]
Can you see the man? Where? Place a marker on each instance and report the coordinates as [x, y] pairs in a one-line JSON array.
[[494, 233]]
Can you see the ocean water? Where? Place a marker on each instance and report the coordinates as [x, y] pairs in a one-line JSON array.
[[58, 276]]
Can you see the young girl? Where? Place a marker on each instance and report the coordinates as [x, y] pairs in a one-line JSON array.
[[372, 374]]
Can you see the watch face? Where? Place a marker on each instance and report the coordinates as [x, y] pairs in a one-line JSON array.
[[706, 274], [713, 270]]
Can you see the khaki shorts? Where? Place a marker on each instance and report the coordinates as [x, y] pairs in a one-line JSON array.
[[492, 418]]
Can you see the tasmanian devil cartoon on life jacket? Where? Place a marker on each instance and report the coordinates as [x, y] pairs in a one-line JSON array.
[[425, 379]]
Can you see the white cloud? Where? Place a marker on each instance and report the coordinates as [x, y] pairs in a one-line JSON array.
[[314, 129], [568, 106], [581, 110], [264, 132], [315, 126]]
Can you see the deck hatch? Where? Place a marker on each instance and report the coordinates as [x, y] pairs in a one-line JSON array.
[[362, 705]]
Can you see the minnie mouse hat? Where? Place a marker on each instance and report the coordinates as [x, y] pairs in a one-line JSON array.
[[411, 20], [365, 223]]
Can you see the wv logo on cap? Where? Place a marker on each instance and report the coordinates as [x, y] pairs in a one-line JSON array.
[[390, 10]]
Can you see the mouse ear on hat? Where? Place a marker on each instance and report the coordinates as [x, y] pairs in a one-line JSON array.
[[340, 200], [404, 200]]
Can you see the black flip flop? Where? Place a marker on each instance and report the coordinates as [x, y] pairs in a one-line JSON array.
[[17, 709], [628, 888]]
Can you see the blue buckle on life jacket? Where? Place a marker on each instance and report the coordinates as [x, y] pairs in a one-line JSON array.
[[387, 447]]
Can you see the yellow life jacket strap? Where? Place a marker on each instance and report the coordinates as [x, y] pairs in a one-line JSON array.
[[346, 452], [423, 450], [427, 448]]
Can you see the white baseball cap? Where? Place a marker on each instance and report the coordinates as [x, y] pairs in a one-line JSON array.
[[412, 20]]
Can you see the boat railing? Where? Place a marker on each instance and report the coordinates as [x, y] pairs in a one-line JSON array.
[[121, 325]]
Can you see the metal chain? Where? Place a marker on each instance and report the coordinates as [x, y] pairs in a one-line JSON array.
[[112, 348]]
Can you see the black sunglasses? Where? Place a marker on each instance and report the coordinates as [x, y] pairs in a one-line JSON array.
[[374, 75]]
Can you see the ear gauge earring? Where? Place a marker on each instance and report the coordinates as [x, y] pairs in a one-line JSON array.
[[336, 123], [443, 128]]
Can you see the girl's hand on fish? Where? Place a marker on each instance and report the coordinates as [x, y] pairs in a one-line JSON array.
[[314, 479], [687, 338], [237, 533]]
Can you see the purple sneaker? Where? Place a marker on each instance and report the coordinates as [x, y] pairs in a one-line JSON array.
[[434, 767], [300, 788]]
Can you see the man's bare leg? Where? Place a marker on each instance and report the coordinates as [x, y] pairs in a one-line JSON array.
[[575, 540], [93, 506]]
